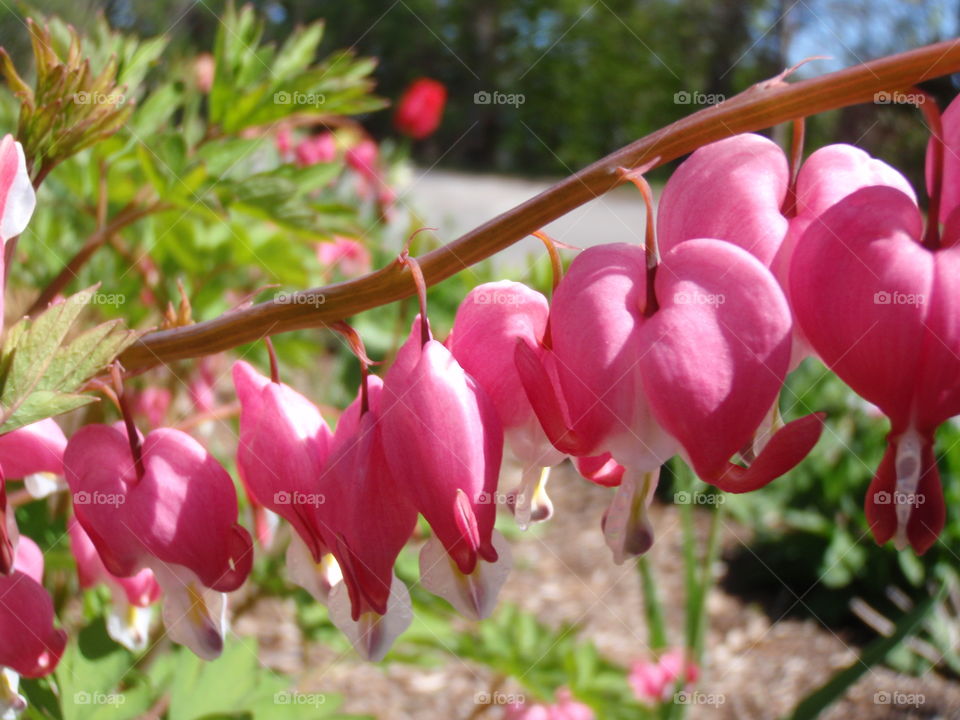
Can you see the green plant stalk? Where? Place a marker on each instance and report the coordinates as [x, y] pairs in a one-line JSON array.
[[706, 581], [652, 607], [698, 581]]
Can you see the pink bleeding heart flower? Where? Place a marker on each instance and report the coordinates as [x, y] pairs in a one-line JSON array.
[[284, 444], [367, 518], [655, 682], [565, 708], [31, 645], [174, 511], [17, 199], [738, 190], [880, 309], [34, 453], [420, 108], [490, 321], [317, 149], [444, 444], [700, 370], [132, 597]]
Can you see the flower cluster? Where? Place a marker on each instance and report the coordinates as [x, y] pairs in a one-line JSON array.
[[680, 347]]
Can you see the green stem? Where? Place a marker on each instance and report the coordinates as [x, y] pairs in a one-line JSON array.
[[652, 607]]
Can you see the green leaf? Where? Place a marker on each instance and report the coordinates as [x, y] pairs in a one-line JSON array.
[[89, 676], [817, 701], [237, 686], [43, 373]]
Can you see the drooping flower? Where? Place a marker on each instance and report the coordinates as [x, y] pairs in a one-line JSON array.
[[420, 108], [738, 190], [17, 199], [168, 506], [694, 362], [444, 444], [490, 321], [132, 597], [367, 518], [284, 444], [896, 342], [34, 453], [31, 645]]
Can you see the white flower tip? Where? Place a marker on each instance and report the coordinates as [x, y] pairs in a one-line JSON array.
[[318, 579], [475, 595], [20, 200], [372, 635]]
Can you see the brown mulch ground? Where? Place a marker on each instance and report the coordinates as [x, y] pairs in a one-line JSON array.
[[759, 666]]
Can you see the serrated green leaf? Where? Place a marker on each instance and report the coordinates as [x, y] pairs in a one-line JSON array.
[[43, 372]]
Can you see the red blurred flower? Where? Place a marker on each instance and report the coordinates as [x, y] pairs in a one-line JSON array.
[[421, 108]]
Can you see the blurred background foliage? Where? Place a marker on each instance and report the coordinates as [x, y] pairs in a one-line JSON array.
[[567, 58], [609, 69]]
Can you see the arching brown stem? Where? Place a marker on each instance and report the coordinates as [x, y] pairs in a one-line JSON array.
[[760, 106]]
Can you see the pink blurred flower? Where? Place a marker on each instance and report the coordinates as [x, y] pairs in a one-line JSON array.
[[153, 403], [565, 708], [284, 141], [203, 70], [363, 157], [654, 682], [345, 254], [315, 149]]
